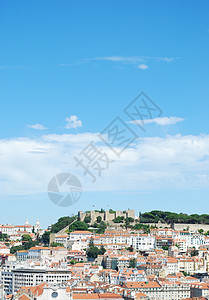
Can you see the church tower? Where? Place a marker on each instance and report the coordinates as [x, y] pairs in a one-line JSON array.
[[37, 226]]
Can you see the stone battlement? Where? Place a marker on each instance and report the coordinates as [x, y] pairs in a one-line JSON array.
[[106, 216]]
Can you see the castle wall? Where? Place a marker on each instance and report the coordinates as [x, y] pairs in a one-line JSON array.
[[109, 216], [191, 227], [180, 226], [120, 213], [95, 214], [106, 216], [158, 225], [130, 213], [81, 215]]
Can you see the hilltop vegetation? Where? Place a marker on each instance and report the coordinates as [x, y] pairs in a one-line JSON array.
[[153, 216], [97, 227], [62, 223], [171, 217]]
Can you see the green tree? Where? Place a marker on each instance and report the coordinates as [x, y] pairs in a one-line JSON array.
[[139, 226], [170, 217], [78, 225], [27, 243], [127, 222], [92, 252], [87, 219], [62, 223], [131, 220], [73, 262], [131, 249], [3, 236], [194, 252], [14, 249], [118, 219], [96, 225], [102, 228], [56, 245], [132, 263], [46, 237], [91, 242], [26, 238], [102, 250], [99, 219]]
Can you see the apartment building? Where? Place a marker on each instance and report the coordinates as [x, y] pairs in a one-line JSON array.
[[37, 253], [14, 276], [79, 235], [186, 265], [62, 239], [172, 265], [143, 242], [160, 290], [131, 275], [200, 290]]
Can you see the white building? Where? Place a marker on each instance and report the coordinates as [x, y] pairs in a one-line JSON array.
[[62, 239], [37, 226], [15, 229], [161, 290], [143, 242], [185, 240], [4, 249], [172, 265], [13, 276], [33, 277], [55, 292], [80, 235]]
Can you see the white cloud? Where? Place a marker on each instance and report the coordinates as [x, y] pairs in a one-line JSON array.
[[135, 59], [159, 121], [159, 58], [73, 122], [143, 67], [177, 161], [77, 139], [123, 59], [37, 126]]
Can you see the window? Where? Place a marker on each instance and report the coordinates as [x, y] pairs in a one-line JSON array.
[[54, 295]]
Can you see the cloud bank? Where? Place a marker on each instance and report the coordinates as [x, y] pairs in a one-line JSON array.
[[159, 121], [177, 161], [139, 62]]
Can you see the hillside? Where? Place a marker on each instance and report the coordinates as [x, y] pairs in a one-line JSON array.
[[171, 217], [148, 217]]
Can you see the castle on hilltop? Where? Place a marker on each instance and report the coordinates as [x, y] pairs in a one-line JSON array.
[[106, 216]]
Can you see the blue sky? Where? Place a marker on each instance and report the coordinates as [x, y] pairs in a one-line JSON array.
[[89, 59]]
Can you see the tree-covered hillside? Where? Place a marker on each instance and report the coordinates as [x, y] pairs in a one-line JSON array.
[[171, 217], [62, 223]]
